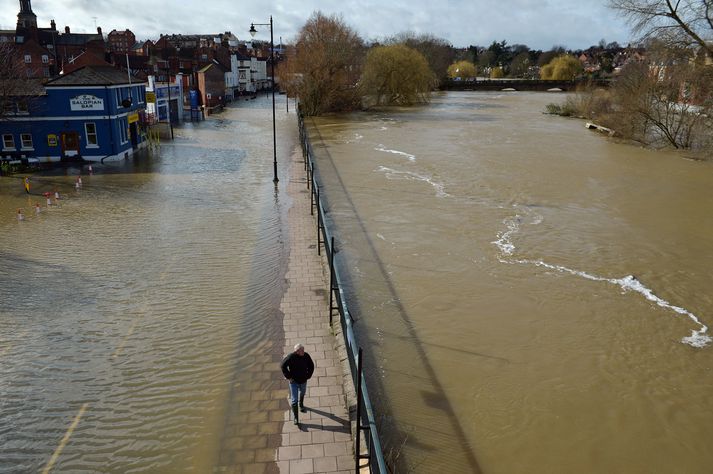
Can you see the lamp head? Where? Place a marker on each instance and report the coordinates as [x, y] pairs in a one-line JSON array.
[[252, 30]]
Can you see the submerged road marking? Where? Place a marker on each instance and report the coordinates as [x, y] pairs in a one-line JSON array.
[[65, 440], [118, 350], [126, 337], [5, 350]]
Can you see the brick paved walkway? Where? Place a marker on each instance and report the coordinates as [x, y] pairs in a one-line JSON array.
[[322, 442]]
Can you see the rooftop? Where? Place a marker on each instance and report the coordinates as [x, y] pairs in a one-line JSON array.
[[94, 76]]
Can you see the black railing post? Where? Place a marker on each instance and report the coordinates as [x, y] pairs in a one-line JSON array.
[[357, 450], [311, 197], [331, 281], [319, 223]]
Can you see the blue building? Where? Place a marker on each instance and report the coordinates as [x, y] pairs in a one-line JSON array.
[[95, 113]]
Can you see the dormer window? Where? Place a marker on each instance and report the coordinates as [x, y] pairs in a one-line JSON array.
[[28, 59]]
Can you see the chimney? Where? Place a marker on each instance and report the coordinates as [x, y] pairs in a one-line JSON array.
[[66, 29], [99, 30], [53, 25]]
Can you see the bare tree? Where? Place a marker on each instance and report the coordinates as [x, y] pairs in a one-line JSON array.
[[676, 22], [438, 51], [664, 103], [328, 61], [16, 90]]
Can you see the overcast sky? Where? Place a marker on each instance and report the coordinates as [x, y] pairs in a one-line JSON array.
[[540, 24]]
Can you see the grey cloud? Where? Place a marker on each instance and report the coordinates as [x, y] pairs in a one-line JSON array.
[[575, 24]]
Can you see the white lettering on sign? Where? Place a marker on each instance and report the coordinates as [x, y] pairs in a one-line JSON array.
[[86, 102]]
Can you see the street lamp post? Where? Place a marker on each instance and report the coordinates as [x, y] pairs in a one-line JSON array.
[[272, 60], [168, 79]]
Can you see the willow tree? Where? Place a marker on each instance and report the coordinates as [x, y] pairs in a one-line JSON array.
[[327, 60], [462, 70], [562, 68], [396, 75]]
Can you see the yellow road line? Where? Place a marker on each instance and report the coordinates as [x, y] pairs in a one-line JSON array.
[[133, 324], [5, 350], [65, 440], [126, 337]]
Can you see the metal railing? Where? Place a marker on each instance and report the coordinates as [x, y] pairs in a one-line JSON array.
[[366, 423]]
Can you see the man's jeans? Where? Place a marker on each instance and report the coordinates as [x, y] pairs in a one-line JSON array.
[[297, 387]]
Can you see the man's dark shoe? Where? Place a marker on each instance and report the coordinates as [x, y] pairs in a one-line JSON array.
[[295, 415], [302, 404]]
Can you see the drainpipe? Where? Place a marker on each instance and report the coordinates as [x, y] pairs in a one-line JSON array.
[[111, 122]]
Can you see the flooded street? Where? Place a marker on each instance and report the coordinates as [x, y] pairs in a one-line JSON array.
[[131, 311], [534, 297]]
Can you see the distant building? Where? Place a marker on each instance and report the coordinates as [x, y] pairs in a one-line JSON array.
[[35, 43], [211, 84], [121, 41]]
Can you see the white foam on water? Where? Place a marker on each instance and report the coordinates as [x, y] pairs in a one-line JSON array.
[[408, 175], [504, 243], [356, 138], [698, 338], [384, 128], [381, 237], [382, 148]]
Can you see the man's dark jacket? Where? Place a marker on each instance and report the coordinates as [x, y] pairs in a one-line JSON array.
[[298, 368]]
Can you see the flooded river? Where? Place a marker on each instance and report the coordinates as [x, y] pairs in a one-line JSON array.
[[130, 311], [534, 297]]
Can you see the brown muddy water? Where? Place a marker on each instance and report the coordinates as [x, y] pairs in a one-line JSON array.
[[130, 311], [534, 297]]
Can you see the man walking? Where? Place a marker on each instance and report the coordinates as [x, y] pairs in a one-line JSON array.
[[298, 368]]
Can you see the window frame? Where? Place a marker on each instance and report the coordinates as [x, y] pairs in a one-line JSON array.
[[123, 132], [5, 142], [23, 143], [88, 134]]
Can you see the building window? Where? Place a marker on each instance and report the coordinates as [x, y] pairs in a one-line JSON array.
[[46, 71], [118, 97], [90, 129], [8, 142], [122, 130], [22, 107], [45, 59], [26, 140], [28, 58]]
